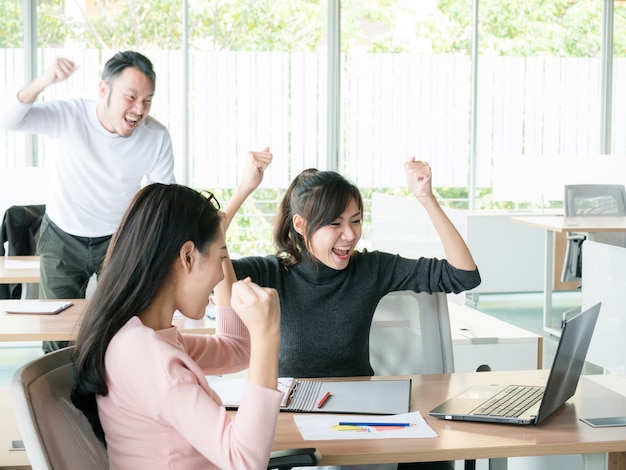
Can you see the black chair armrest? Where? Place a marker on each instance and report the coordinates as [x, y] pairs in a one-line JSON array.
[[286, 459]]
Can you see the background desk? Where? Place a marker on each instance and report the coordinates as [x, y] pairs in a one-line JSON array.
[[477, 338], [27, 275], [561, 224], [20, 275], [64, 325]]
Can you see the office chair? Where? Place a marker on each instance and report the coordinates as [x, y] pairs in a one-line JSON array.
[[57, 435], [20, 229], [590, 200], [411, 334]]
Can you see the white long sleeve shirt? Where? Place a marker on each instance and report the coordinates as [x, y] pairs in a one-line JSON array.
[[95, 173]]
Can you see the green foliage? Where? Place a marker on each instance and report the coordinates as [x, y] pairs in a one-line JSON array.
[[53, 25], [258, 25], [541, 27], [564, 28], [11, 26], [251, 232]]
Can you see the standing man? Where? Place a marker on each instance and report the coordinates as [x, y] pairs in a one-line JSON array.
[[106, 150]]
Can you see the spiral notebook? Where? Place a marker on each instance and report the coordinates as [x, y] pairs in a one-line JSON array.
[[379, 397]]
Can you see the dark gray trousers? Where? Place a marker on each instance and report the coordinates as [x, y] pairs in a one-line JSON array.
[[66, 264]]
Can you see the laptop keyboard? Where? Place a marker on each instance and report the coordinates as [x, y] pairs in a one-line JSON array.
[[512, 401]]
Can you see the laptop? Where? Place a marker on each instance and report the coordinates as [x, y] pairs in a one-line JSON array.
[[529, 404]]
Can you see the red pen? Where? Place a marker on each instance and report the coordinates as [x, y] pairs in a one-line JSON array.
[[323, 400]]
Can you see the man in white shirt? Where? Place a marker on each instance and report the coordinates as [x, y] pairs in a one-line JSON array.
[[107, 148]]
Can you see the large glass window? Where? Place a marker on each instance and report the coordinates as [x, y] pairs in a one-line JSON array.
[[405, 91], [256, 79], [245, 74], [538, 92], [618, 108], [11, 76]]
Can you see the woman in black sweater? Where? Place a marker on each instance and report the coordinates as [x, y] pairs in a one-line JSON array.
[[329, 291]]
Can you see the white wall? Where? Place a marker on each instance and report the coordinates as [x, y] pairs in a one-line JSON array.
[[22, 186], [524, 178], [509, 255], [604, 279]]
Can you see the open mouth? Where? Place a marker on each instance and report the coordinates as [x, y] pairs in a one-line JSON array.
[[132, 121], [341, 252]]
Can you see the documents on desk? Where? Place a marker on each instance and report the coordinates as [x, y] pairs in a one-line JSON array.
[[324, 427], [39, 307], [376, 397], [230, 389]]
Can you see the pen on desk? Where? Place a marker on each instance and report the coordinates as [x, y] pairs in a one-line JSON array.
[[323, 400], [356, 423]]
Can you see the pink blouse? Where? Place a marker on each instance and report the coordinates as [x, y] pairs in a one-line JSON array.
[[160, 412]]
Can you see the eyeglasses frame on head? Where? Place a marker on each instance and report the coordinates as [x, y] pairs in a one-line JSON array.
[[211, 197]]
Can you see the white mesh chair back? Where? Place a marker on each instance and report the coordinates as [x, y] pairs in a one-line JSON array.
[[411, 334], [595, 200], [57, 436], [591, 200]]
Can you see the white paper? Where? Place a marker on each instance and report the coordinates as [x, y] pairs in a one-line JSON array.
[[319, 426], [230, 389]]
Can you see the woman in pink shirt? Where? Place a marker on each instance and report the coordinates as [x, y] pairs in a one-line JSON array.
[[142, 383]]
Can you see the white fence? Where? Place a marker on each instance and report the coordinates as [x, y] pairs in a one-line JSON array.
[[392, 106]]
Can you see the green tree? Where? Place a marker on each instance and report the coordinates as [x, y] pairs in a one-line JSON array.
[[52, 29], [507, 27]]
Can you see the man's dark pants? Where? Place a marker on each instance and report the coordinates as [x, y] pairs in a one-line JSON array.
[[67, 262]]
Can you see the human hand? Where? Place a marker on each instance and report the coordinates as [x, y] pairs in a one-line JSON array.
[[419, 178], [258, 307], [255, 167], [61, 69]]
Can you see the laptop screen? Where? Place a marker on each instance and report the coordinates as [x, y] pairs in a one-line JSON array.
[[568, 361]]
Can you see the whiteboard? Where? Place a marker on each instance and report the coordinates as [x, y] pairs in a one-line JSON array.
[[604, 279]]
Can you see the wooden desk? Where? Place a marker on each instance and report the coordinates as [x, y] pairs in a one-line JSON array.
[[27, 275], [64, 325], [19, 275], [561, 434], [562, 224]]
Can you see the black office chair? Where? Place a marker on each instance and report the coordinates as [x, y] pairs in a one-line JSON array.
[[590, 200], [58, 436], [20, 229]]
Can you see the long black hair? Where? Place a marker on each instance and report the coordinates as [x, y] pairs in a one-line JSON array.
[[139, 260]]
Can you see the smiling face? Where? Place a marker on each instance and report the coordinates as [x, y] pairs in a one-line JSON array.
[[125, 100], [334, 243]]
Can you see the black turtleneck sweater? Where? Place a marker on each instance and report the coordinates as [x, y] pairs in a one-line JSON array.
[[326, 314]]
